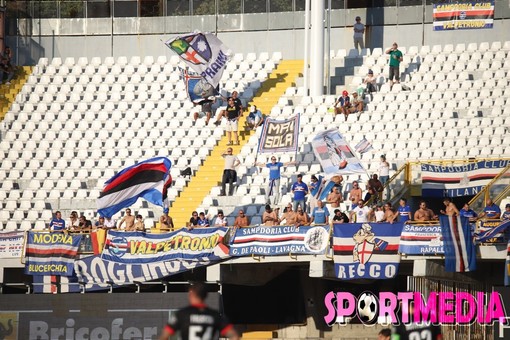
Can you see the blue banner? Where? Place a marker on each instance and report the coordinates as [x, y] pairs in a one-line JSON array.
[[280, 240], [457, 180], [51, 253], [366, 250], [139, 247], [421, 240], [95, 273]]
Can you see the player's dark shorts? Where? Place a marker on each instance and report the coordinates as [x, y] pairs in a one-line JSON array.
[[395, 72]]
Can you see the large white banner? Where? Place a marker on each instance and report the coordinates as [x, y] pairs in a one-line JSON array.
[[11, 244]]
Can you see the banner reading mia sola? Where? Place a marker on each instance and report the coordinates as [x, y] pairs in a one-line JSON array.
[[280, 240], [279, 135], [11, 244], [51, 253], [463, 15], [139, 247], [366, 250], [459, 180]]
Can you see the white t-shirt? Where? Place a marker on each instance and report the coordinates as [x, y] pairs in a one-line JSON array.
[[384, 170], [361, 214], [230, 160], [359, 27], [379, 216]]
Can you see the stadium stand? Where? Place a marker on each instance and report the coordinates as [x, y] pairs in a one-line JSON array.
[[77, 121]]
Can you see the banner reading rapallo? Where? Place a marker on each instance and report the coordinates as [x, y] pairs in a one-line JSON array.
[[459, 180], [279, 135], [139, 247], [463, 15], [421, 240], [280, 240]]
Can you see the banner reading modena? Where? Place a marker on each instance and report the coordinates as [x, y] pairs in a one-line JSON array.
[[11, 244], [51, 253], [459, 180], [463, 15], [280, 240], [279, 135], [139, 247]]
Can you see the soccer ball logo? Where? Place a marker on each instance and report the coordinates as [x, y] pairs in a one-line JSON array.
[[367, 308]]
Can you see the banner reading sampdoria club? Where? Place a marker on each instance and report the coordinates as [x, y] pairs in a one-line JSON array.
[[139, 247], [463, 15], [280, 240], [366, 250], [51, 253], [11, 244], [459, 180], [279, 135]]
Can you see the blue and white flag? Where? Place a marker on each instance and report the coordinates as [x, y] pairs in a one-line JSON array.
[[204, 53], [363, 146], [421, 240], [335, 155], [459, 249], [149, 179], [322, 190], [366, 250], [507, 265], [197, 88], [51, 253], [492, 233], [139, 247], [280, 240]]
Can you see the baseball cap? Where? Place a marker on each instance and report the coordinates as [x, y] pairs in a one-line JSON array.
[[370, 72], [345, 93], [507, 205]]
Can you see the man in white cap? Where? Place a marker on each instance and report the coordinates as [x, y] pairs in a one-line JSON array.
[[359, 30], [255, 118]]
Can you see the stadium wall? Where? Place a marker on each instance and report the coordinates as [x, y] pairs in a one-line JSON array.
[[243, 33]]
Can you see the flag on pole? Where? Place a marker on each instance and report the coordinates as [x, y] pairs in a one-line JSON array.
[[334, 154], [202, 52], [363, 146], [197, 88], [149, 179], [507, 265], [492, 232], [279, 135], [459, 249]]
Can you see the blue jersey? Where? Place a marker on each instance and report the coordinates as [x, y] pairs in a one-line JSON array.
[[319, 215], [203, 222], [57, 224], [470, 213], [404, 213], [491, 211], [274, 170], [300, 190], [505, 216]]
